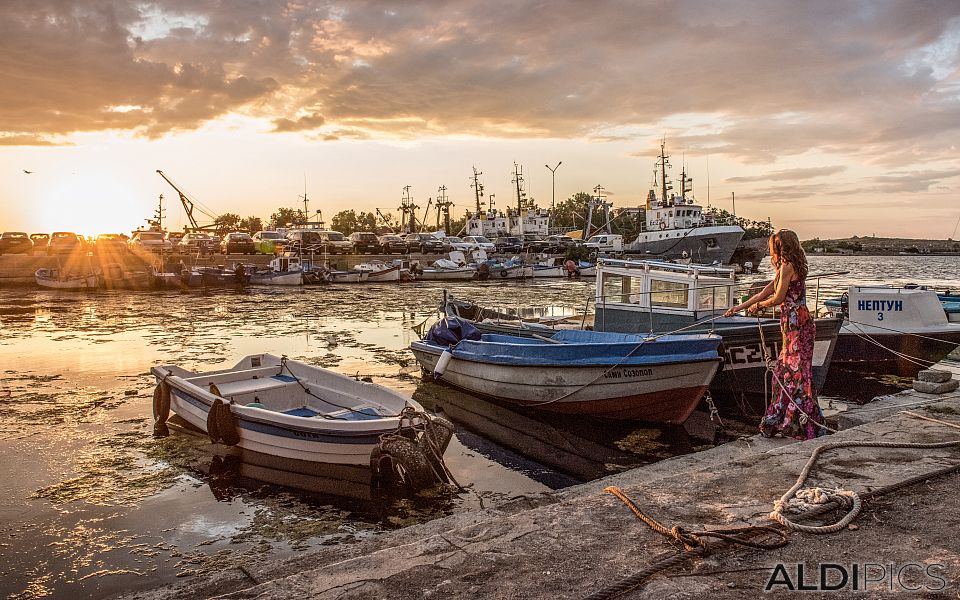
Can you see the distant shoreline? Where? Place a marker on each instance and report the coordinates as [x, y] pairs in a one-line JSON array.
[[877, 246]]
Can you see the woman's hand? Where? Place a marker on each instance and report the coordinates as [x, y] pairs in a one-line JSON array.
[[754, 309], [731, 311]]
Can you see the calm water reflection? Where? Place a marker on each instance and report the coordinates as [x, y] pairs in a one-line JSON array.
[[95, 505]]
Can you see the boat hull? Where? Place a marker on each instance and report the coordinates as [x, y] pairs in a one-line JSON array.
[[446, 274], [277, 278], [50, 278], [663, 393], [388, 275], [700, 244], [285, 436]]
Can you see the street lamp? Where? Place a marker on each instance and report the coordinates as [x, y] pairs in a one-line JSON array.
[[553, 196]]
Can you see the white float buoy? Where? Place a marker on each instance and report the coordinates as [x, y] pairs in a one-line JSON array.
[[442, 364]]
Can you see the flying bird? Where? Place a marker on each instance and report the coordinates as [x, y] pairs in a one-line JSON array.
[[28, 172]]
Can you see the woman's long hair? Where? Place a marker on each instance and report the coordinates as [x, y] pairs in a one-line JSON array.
[[787, 246]]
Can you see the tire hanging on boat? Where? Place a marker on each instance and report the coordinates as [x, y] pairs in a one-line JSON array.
[[161, 409], [503, 273], [221, 424]]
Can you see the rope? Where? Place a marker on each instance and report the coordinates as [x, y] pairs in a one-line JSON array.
[[283, 365], [912, 359], [693, 543], [844, 498]]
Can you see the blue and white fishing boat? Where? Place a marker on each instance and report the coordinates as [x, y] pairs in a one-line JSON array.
[[656, 379], [283, 270], [287, 410]]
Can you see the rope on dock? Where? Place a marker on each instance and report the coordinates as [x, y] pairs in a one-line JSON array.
[[844, 498], [693, 543]]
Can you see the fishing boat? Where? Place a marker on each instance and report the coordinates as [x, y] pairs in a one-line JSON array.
[[220, 276], [334, 276], [62, 280], [300, 415], [116, 277], [283, 270], [673, 226], [656, 379], [379, 272], [453, 268], [892, 331]]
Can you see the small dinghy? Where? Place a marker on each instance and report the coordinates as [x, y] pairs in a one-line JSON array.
[[61, 280], [283, 270], [378, 271], [656, 379], [303, 416]]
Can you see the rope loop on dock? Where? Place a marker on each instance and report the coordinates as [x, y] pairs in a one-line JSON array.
[[808, 502]]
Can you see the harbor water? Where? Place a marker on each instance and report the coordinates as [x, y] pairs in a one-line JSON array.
[[95, 505]]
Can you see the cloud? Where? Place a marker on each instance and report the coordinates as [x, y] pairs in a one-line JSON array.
[[29, 140], [872, 80], [790, 174]]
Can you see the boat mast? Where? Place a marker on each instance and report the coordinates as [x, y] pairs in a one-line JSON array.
[[443, 204], [477, 189], [518, 181], [408, 209], [663, 162]]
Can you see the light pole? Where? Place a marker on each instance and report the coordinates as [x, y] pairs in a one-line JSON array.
[[553, 196]]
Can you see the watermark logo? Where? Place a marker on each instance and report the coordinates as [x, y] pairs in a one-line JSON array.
[[857, 577]]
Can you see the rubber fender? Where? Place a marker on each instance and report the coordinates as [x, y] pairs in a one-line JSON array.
[[161, 402], [410, 466], [504, 273], [227, 426], [442, 363], [213, 430]]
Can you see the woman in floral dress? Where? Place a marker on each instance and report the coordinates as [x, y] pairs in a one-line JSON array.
[[793, 410]]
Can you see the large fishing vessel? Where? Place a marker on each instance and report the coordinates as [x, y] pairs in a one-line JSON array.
[[673, 226]]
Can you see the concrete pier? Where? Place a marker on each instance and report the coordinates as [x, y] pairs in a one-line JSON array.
[[574, 542]]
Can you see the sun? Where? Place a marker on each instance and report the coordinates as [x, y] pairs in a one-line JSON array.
[[89, 205]]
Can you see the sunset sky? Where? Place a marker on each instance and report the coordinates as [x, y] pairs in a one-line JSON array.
[[831, 117]]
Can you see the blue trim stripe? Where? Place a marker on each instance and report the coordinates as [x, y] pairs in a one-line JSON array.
[[291, 432]]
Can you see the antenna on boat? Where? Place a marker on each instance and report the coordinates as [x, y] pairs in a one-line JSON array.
[[477, 188], [708, 181], [306, 210], [407, 207], [521, 195], [443, 205]]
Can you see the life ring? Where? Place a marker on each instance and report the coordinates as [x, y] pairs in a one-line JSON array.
[[663, 224], [503, 273]]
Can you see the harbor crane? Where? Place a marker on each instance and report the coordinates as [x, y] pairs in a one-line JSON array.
[[189, 205]]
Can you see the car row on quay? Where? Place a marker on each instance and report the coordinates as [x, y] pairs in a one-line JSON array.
[[274, 242]]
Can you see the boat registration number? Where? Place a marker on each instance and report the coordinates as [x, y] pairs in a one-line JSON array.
[[627, 373]]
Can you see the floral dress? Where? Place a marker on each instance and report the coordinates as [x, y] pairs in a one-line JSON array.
[[793, 407]]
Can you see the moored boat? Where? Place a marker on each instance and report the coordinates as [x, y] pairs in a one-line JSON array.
[[297, 414], [283, 270], [379, 272], [892, 331], [657, 379], [62, 280]]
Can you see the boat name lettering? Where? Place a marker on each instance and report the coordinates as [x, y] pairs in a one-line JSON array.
[[749, 353], [880, 305], [627, 373]]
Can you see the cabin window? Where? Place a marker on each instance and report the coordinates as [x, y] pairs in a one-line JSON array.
[[616, 288], [668, 293], [711, 297]]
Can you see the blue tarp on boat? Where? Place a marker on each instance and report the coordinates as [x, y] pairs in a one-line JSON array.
[[588, 348], [450, 330]]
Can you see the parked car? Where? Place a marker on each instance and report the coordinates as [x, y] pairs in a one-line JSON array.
[[423, 242], [391, 243], [15, 242], [481, 242], [558, 244], [151, 241], [334, 242], [531, 241], [452, 242], [606, 243], [238, 242], [270, 242], [40, 242], [65, 242], [304, 241], [110, 244], [508, 245], [199, 243], [174, 237], [364, 241]]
